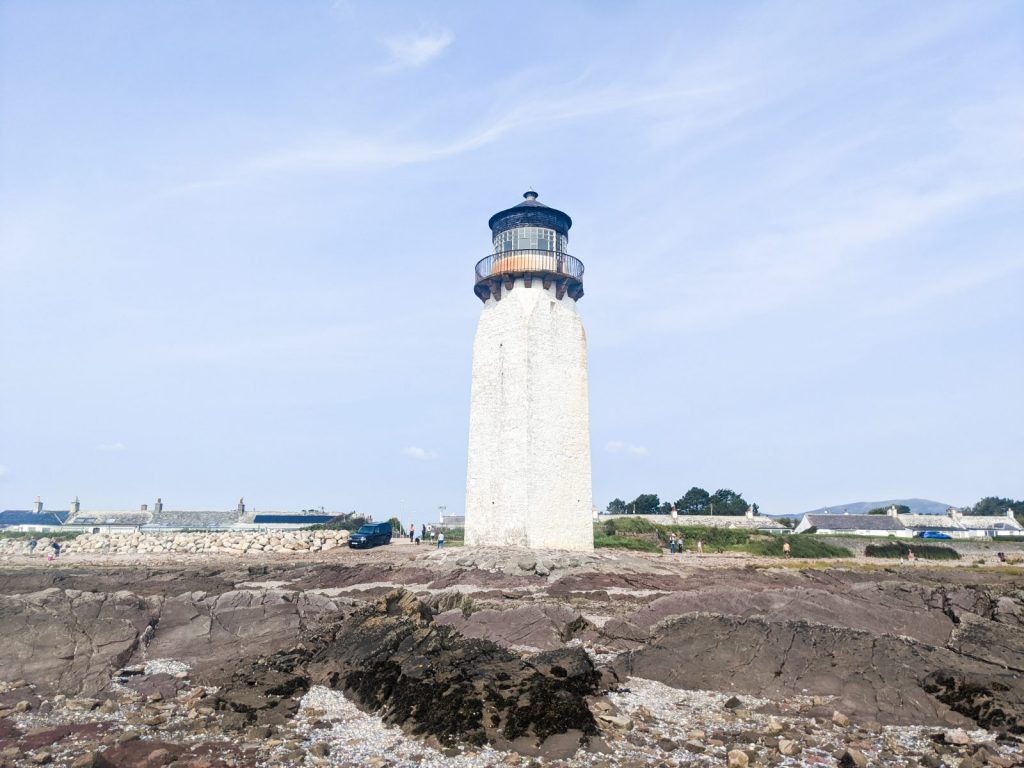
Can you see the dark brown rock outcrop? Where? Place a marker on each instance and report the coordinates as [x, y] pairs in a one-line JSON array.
[[391, 658], [992, 701]]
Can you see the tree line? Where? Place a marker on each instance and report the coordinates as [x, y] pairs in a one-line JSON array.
[[695, 501]]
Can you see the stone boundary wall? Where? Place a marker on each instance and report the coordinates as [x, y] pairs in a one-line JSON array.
[[187, 543]]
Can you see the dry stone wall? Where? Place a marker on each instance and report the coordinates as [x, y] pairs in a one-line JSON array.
[[192, 542]]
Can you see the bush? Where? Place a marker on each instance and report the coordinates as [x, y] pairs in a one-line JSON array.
[[602, 541], [897, 549], [800, 546], [647, 537], [350, 522]]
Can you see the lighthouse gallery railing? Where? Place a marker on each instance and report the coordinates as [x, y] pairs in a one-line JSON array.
[[529, 261]]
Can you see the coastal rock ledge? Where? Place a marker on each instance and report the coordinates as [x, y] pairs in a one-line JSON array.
[[392, 659]]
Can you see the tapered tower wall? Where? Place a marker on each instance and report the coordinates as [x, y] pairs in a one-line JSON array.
[[529, 477]]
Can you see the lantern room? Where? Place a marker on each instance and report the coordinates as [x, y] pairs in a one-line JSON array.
[[530, 243]]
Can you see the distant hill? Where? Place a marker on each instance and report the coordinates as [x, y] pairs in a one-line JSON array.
[[917, 507]]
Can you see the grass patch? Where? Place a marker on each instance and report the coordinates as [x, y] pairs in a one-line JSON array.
[[897, 549], [650, 537], [800, 547], [625, 542]]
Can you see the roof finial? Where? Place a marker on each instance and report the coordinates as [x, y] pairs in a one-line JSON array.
[[530, 195]]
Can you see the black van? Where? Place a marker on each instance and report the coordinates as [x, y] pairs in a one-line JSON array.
[[370, 535]]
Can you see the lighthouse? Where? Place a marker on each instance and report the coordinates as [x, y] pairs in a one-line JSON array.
[[528, 479]]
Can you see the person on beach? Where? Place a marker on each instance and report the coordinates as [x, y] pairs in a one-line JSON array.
[[55, 546], [786, 549], [440, 540], [412, 532], [423, 532], [700, 547], [911, 557], [672, 544], [32, 544]]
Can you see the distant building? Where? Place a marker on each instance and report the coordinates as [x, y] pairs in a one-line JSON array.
[[75, 519], [748, 522], [954, 524], [855, 525]]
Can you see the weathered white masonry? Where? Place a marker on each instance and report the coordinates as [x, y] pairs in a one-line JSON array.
[[528, 482]]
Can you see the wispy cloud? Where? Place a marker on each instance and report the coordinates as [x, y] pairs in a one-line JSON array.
[[414, 49], [618, 446], [420, 454], [115, 447]]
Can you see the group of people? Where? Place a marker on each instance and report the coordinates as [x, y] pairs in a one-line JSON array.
[[54, 548], [426, 534], [677, 545]]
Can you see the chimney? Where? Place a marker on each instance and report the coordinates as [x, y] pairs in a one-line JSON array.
[[75, 506], [892, 511], [37, 507], [159, 506]]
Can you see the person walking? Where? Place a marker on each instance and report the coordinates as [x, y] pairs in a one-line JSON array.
[[32, 544], [440, 540], [412, 532], [700, 547], [672, 544], [911, 557], [786, 550]]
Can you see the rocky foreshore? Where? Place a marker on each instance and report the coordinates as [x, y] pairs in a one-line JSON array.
[[409, 656]]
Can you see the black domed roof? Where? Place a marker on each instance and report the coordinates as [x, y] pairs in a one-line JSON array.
[[530, 213]]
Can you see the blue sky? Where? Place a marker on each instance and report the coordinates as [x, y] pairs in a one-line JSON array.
[[237, 241]]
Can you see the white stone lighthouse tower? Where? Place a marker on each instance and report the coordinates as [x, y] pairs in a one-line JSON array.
[[528, 481]]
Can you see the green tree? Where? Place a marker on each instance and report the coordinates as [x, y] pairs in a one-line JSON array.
[[695, 502], [901, 509], [396, 526], [617, 507], [726, 502], [665, 508], [645, 504], [995, 505]]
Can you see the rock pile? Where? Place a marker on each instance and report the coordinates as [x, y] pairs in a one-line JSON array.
[[188, 542]]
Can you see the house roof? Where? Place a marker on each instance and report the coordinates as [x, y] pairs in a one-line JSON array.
[[855, 522], [962, 523], [929, 522], [11, 517], [291, 519], [110, 517], [975, 522], [180, 518]]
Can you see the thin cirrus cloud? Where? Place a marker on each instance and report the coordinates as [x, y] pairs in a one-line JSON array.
[[419, 454], [414, 49], [618, 446]]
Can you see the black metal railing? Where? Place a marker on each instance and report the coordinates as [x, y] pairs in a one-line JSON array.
[[525, 261]]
